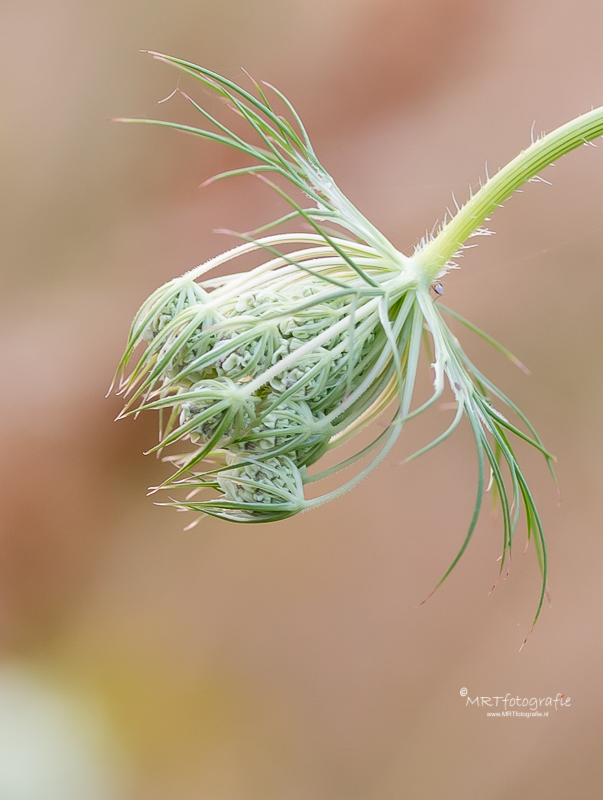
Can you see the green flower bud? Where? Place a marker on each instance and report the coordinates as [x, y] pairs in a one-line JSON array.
[[245, 351], [165, 305], [186, 366], [288, 427], [215, 411], [257, 490]]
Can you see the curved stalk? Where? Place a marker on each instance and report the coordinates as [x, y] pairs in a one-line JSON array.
[[431, 259]]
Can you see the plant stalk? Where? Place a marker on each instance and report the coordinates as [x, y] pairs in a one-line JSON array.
[[431, 259]]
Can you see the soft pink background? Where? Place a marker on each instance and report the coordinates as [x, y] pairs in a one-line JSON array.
[[291, 662]]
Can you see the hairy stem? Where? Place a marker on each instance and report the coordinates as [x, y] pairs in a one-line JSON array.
[[431, 259]]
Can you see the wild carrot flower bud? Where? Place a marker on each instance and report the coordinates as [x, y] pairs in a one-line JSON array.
[[286, 426], [260, 491], [266, 370], [214, 411], [164, 305]]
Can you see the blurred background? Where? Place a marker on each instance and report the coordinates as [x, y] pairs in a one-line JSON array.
[[141, 662]]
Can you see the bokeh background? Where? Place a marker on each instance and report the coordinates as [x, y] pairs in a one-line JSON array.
[[141, 662]]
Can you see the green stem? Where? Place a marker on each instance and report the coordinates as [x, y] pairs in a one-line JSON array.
[[431, 259]]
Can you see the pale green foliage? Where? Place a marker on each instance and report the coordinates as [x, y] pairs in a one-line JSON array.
[[265, 370]]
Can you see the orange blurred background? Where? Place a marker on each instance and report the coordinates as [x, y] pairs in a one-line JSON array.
[[140, 662]]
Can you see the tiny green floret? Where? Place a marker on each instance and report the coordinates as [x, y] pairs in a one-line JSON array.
[[262, 372]]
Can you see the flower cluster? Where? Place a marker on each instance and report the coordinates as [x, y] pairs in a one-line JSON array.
[[264, 371]]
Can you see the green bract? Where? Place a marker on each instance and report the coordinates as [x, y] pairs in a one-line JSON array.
[[264, 371]]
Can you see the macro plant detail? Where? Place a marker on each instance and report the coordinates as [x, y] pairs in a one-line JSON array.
[[262, 372]]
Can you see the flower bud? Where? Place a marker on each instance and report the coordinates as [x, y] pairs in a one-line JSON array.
[[288, 427], [215, 411], [259, 490]]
